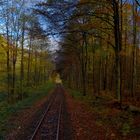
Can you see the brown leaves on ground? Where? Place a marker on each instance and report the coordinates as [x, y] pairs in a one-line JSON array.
[[100, 122], [21, 120], [89, 124], [83, 121]]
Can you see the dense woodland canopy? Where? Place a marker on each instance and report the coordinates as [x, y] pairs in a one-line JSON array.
[[24, 56], [98, 46], [92, 47]]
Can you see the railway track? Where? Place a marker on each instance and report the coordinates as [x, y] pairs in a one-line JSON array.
[[48, 127]]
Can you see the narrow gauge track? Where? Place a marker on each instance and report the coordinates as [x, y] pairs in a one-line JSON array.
[[48, 127]]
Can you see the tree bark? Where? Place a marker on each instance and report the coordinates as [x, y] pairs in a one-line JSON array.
[[134, 51], [22, 62], [117, 35]]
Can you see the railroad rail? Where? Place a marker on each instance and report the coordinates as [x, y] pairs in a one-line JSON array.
[[49, 124]]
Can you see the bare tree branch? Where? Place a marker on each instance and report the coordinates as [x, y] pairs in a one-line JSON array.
[[138, 3]]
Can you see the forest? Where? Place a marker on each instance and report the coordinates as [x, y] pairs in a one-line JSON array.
[[93, 46]]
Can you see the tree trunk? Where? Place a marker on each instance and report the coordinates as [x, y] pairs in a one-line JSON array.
[[29, 65], [117, 35], [134, 51], [22, 63]]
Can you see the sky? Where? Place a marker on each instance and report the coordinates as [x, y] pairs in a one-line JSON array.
[[29, 4]]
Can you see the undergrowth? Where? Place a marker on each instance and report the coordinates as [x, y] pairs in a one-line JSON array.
[[106, 114], [7, 110]]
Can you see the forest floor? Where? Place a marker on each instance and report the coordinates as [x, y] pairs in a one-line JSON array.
[[100, 119], [15, 117], [91, 119], [20, 121]]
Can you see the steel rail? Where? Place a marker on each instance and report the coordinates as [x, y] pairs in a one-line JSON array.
[[59, 120], [43, 117], [41, 120]]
